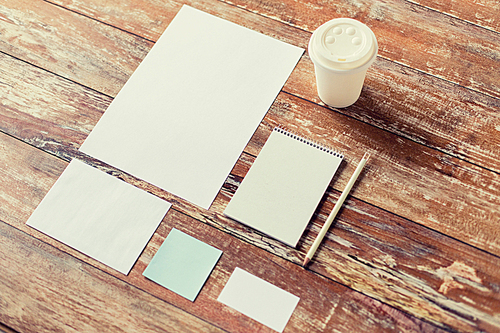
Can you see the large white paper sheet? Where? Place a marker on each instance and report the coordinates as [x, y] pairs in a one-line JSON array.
[[99, 215], [258, 299], [188, 111]]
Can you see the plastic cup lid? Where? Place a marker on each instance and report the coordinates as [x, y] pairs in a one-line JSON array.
[[343, 44]]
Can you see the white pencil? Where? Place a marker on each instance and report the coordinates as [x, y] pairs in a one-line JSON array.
[[335, 210]]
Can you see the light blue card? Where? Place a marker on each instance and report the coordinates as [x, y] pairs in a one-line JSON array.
[[182, 264]]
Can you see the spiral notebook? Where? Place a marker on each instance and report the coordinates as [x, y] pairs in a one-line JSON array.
[[285, 184]]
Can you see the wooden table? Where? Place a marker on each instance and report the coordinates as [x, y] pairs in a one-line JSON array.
[[416, 247]]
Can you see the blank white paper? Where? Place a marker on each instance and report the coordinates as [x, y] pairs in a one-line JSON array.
[[186, 114], [99, 215], [258, 299]]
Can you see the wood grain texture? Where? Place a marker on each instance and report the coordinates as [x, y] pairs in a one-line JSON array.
[[342, 132], [481, 12], [410, 34], [35, 106], [434, 129], [417, 196], [42, 269], [82, 50], [45, 290], [407, 102], [421, 108]]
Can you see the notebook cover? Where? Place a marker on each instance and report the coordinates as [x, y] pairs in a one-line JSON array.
[[285, 184]]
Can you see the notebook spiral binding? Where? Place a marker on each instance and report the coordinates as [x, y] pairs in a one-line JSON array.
[[309, 142]]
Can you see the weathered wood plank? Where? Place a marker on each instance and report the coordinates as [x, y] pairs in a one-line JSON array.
[[404, 101], [61, 113], [484, 13], [425, 197], [420, 107], [326, 127], [150, 18], [36, 268], [82, 50], [45, 290], [409, 34]]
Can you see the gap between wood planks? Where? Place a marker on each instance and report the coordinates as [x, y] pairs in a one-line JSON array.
[[402, 135], [59, 75], [301, 29], [224, 229], [452, 16], [96, 20], [6, 329], [393, 133]]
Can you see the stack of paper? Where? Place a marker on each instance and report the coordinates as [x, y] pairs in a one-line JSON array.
[[284, 186]]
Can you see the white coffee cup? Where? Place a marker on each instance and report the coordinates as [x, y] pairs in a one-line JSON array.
[[342, 50]]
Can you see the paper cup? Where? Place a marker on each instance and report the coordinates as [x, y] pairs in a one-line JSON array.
[[342, 50]]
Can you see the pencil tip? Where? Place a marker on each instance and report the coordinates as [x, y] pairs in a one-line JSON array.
[[306, 261]]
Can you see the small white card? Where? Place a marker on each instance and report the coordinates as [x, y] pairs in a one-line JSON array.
[[258, 299], [99, 215], [185, 115]]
